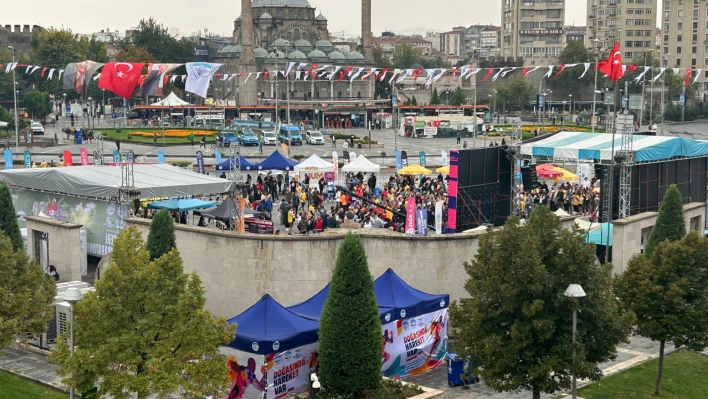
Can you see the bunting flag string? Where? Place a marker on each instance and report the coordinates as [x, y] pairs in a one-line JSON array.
[[661, 71], [698, 75], [489, 73], [641, 75], [688, 77], [587, 66]]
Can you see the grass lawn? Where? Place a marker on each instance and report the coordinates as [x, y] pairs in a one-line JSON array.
[[112, 134], [684, 378], [12, 387]]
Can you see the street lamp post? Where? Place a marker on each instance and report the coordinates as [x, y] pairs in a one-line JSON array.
[[570, 104], [574, 291], [72, 296], [14, 93], [594, 89]]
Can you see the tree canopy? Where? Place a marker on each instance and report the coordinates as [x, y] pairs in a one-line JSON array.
[[517, 319], [37, 103], [575, 52], [161, 239], [670, 224], [435, 98], [8, 219], [459, 97], [515, 93], [157, 41], [405, 56]]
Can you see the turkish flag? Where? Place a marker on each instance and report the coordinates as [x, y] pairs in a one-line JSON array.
[[120, 78], [688, 77], [612, 66]]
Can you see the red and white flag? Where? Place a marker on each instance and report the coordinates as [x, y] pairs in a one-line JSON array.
[[120, 78]]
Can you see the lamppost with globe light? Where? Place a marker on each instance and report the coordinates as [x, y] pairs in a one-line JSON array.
[[574, 291], [72, 296]]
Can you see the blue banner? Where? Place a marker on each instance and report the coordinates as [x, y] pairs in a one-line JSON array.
[[28, 159], [421, 220], [399, 164], [116, 156], [422, 158], [200, 162], [160, 157], [8, 159], [217, 155]]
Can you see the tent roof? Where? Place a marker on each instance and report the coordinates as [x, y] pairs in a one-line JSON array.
[[315, 164], [576, 146], [226, 165], [182, 205], [600, 236], [226, 211], [361, 164], [276, 161], [267, 327], [171, 101], [391, 291], [414, 170], [153, 181], [312, 308]]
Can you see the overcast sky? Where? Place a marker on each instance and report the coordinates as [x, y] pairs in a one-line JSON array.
[[218, 15]]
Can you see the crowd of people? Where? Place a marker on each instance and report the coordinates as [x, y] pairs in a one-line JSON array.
[[582, 198]]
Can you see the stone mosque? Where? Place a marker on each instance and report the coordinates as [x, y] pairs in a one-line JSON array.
[[270, 34]]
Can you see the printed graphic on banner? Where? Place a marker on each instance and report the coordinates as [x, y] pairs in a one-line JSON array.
[[217, 155], [83, 156], [438, 217], [422, 222], [75, 75], [116, 156], [28, 159], [335, 163], [68, 161], [154, 81], [422, 158], [161, 157], [404, 159], [198, 76], [410, 216], [352, 156], [289, 371], [8, 159], [247, 374], [414, 345], [200, 162]]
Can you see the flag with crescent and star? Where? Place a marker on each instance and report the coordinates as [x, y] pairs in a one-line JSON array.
[[120, 78], [612, 66]]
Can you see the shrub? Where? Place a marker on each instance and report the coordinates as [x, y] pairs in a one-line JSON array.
[[161, 238]]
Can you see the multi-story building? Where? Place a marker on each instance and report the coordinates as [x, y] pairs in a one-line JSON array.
[[491, 41], [388, 44], [631, 22], [576, 33], [434, 39], [684, 25], [472, 39], [451, 42], [532, 29]]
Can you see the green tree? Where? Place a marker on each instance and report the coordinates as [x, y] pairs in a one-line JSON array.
[[670, 224], [156, 39], [517, 319], [8, 219], [161, 239], [27, 294], [459, 97], [516, 93], [144, 330], [668, 293], [350, 363], [435, 99], [135, 54], [37, 104], [414, 101], [574, 52], [405, 56], [382, 89]]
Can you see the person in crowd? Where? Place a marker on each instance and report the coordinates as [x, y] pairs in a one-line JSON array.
[[52, 273]]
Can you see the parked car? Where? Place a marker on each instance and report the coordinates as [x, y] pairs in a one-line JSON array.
[[247, 137], [295, 135], [269, 137], [314, 137], [229, 137], [37, 128]]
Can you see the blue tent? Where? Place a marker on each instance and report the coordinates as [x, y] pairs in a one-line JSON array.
[[312, 308], [182, 204], [601, 236], [267, 327], [392, 292], [276, 161], [226, 165]]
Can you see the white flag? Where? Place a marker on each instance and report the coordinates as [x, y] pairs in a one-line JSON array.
[[28, 69], [200, 74], [430, 74], [297, 74], [550, 71], [438, 217], [98, 75], [248, 77], [698, 75], [35, 68], [51, 73], [290, 67], [445, 159], [356, 75], [536, 68], [372, 70], [440, 75], [395, 73], [661, 71], [409, 72], [503, 75], [641, 75], [473, 72], [587, 66], [336, 69], [233, 75]]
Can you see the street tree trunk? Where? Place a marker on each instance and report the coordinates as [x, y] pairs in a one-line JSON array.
[[661, 367], [536, 393]]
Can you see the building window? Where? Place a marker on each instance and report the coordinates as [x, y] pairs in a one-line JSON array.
[[693, 62], [679, 26], [678, 50], [679, 38], [678, 62], [694, 37], [680, 13], [705, 63], [695, 25], [694, 50], [695, 223]]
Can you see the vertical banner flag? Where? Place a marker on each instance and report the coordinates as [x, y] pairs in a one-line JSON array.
[[28, 159], [404, 159], [200, 162], [438, 217], [452, 191], [399, 164], [198, 76], [335, 163], [120, 78], [352, 156], [8, 159], [422, 158], [241, 225], [445, 159], [422, 222], [155, 79], [410, 216], [83, 156], [75, 75], [161, 157], [345, 157], [68, 161], [116, 156], [217, 155]]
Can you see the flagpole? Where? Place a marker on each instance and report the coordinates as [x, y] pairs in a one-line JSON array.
[[594, 89]]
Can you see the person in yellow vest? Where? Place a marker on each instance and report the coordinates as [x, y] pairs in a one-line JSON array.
[[34, 165], [291, 219], [60, 164], [43, 164]]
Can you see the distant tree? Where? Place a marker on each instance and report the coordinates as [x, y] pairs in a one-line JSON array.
[[156, 39], [8, 219], [432, 63], [498, 62], [161, 239], [145, 330], [382, 89], [37, 104], [135, 54], [405, 56], [668, 291], [516, 318], [435, 99], [515, 93], [414, 101], [670, 224], [350, 363], [458, 98], [574, 52]]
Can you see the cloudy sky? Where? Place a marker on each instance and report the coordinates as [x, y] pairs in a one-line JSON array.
[[217, 16]]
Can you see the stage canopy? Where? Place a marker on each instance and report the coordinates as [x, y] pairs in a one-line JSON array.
[[361, 164], [392, 292], [314, 164], [244, 164], [182, 205], [602, 235], [276, 161], [100, 181], [573, 146], [267, 327], [414, 170], [312, 308], [171, 101]]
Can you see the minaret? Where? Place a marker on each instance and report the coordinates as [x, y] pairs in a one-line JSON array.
[[247, 90], [366, 35]]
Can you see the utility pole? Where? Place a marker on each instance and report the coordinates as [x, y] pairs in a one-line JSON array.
[[594, 88], [14, 93]]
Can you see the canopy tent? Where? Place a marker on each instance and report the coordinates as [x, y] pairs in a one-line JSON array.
[[268, 327], [587, 225], [392, 292], [3, 124], [601, 236], [573, 146], [276, 161], [100, 181], [550, 171], [226, 211], [181, 205], [361, 164], [171, 101], [414, 170], [314, 164], [243, 164], [312, 308], [443, 170]]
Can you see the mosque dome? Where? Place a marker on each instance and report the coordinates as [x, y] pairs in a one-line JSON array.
[[280, 3], [303, 45], [297, 55], [281, 43], [416, 66], [323, 44], [336, 55], [316, 54], [276, 54], [235, 49], [354, 55], [260, 52], [225, 49]]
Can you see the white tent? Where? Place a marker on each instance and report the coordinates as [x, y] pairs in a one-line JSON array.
[[3, 124], [171, 101], [314, 164], [361, 164]]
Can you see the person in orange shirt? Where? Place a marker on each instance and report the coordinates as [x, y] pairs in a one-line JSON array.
[[345, 204]]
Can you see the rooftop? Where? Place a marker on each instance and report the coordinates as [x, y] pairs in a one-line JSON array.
[[280, 3]]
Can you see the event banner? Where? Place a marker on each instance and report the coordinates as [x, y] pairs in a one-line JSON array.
[[445, 159], [352, 156], [8, 159], [247, 374], [116, 156], [452, 191], [68, 161], [161, 157], [399, 164], [415, 344], [421, 219], [83, 156], [198, 76], [438, 217], [410, 216], [200, 162], [335, 163], [154, 81], [27, 159], [404, 159], [422, 158], [289, 371]]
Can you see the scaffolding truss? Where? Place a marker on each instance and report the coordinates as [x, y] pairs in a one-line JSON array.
[[128, 191], [98, 148], [626, 157]]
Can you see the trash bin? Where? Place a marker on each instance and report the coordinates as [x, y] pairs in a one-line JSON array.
[[455, 368], [78, 138]]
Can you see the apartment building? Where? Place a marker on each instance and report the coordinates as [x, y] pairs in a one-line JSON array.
[[532, 29], [451, 43], [631, 22], [684, 26]]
